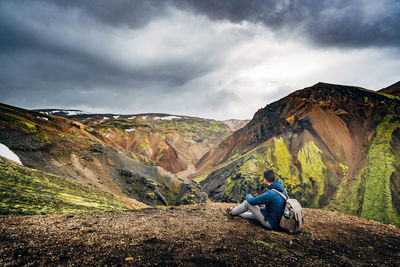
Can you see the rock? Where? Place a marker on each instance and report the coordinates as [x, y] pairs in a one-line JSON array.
[[126, 172], [97, 148]]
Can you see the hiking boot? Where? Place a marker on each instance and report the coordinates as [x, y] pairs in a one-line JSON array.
[[226, 211]]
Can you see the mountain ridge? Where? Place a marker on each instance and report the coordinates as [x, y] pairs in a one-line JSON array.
[[393, 89], [319, 140]]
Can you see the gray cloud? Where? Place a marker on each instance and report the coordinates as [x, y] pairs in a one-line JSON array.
[[342, 23], [178, 56], [90, 54]]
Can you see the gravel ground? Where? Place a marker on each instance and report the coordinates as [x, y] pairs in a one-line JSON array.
[[190, 236]]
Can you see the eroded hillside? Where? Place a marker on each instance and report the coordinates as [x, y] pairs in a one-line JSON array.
[[71, 149], [333, 146], [174, 143]]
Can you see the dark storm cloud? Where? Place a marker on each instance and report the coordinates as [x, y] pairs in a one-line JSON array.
[[342, 23], [28, 46], [63, 53]]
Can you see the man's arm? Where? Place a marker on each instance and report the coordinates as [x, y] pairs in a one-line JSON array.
[[261, 199]]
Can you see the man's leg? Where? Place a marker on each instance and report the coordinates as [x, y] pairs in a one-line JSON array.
[[255, 210], [240, 209], [248, 215]]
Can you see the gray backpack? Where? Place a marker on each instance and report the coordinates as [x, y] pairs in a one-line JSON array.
[[292, 218]]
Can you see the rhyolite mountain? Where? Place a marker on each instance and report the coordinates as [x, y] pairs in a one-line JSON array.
[[173, 142], [70, 149], [333, 146]]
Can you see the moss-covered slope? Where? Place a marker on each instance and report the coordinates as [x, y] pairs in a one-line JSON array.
[[27, 191], [370, 193]]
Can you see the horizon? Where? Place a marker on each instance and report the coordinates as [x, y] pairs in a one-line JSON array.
[[186, 115], [220, 61]]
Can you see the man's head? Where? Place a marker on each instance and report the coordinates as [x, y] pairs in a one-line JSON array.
[[269, 177]]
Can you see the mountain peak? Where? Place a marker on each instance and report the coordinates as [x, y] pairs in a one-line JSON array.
[[393, 89]]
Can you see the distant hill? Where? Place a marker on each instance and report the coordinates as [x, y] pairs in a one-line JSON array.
[[235, 124], [68, 148], [62, 112], [173, 142], [334, 147]]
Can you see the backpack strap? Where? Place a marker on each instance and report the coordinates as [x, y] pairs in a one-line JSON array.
[[282, 195]]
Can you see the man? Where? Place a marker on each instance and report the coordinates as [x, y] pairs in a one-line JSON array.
[[270, 215]]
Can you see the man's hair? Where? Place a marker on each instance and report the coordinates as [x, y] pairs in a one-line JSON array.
[[270, 176]]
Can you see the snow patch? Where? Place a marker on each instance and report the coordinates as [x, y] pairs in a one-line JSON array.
[[116, 117], [7, 153], [75, 112], [105, 118], [65, 111], [129, 130], [166, 118], [43, 118]]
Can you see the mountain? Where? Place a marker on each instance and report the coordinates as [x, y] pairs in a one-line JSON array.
[[70, 149], [393, 89], [172, 142], [235, 124], [333, 146]]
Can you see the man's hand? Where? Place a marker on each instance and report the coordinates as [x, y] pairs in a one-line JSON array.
[[248, 196]]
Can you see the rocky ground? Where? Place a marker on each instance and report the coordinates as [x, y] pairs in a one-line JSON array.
[[192, 235]]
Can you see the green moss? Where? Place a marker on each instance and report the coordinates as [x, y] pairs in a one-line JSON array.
[[380, 93], [313, 170], [152, 195], [200, 178], [46, 139], [345, 168], [229, 184], [134, 156], [349, 195], [29, 127], [123, 124], [281, 162], [194, 128], [25, 191], [144, 147], [369, 194], [159, 157], [378, 203]]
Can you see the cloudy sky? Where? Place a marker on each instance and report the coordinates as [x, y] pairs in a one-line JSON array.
[[208, 58]]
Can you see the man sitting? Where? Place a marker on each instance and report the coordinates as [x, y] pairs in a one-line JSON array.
[[270, 215]]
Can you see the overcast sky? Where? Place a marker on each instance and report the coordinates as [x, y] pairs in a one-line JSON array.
[[215, 59]]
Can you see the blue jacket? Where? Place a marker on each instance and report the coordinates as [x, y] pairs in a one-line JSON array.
[[274, 203]]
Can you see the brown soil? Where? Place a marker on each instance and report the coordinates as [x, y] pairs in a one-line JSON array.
[[193, 235]]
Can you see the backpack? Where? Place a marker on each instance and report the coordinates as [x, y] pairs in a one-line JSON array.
[[292, 218]]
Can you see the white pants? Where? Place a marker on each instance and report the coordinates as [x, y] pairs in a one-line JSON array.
[[253, 214]]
